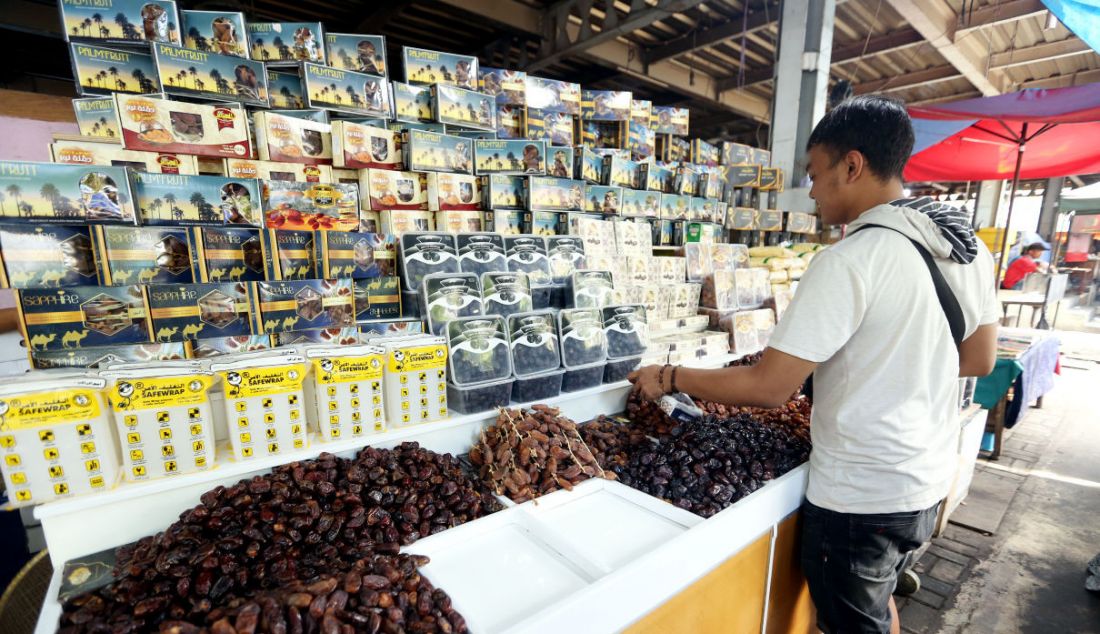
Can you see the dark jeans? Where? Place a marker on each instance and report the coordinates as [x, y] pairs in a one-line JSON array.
[[852, 561]]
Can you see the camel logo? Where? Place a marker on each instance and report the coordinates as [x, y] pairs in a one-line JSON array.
[[327, 367], [234, 381], [125, 392]]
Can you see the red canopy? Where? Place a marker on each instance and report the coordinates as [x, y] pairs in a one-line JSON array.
[[978, 139]]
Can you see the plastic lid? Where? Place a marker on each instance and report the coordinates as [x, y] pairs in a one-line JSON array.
[[479, 350], [626, 330], [582, 337], [426, 252], [447, 296], [535, 347], [592, 289], [505, 294], [527, 254], [480, 253]]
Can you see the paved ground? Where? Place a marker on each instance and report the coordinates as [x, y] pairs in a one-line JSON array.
[[1029, 576]]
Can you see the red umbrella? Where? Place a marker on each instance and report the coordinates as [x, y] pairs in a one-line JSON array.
[[1034, 133]]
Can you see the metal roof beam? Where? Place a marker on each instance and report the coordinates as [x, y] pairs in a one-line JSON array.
[[1040, 53], [1064, 81], [623, 57], [908, 80], [884, 43], [936, 21], [702, 38], [559, 41]]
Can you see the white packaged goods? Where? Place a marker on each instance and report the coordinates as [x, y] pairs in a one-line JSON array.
[[344, 390], [57, 439], [415, 380], [264, 403], [673, 270], [164, 420], [761, 285], [746, 295], [764, 321]]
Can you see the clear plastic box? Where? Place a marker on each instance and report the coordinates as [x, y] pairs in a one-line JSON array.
[[506, 293], [583, 341], [592, 289], [447, 296], [479, 350], [626, 330], [481, 253], [426, 252], [479, 397], [618, 369], [527, 254], [535, 343], [566, 254], [537, 387], [583, 377]]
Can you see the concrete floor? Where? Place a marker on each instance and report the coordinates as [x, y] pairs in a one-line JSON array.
[[1029, 577]]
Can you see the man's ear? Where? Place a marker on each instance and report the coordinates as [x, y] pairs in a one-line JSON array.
[[855, 164]]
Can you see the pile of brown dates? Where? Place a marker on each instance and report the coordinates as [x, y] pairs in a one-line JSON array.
[[612, 440], [705, 465], [528, 453], [295, 527]]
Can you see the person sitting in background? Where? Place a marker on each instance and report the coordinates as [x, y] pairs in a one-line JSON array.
[[1021, 267]]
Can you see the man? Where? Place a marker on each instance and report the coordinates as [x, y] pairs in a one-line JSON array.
[[867, 323], [1021, 267]]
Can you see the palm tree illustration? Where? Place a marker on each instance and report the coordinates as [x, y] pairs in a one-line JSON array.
[[284, 50], [156, 205], [170, 200], [87, 25], [345, 59], [104, 32], [335, 92], [286, 94], [76, 30], [15, 191], [197, 40], [194, 74], [97, 19], [50, 192], [113, 72], [144, 84], [2, 199], [351, 94], [128, 31], [180, 77], [220, 85], [257, 47], [198, 201]]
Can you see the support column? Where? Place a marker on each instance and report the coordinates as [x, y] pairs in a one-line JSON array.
[[1048, 216], [801, 87], [989, 202]]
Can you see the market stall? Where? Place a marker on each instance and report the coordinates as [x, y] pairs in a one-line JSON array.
[[1027, 361]]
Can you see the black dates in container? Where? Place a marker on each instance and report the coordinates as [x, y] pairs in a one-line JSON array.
[[626, 330], [583, 341], [479, 350]]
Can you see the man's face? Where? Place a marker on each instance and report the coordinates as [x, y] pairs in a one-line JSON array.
[[830, 187], [1035, 254]]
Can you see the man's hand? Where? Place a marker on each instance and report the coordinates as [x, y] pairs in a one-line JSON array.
[[646, 380]]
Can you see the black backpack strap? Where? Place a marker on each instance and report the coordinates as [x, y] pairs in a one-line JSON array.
[[948, 302]]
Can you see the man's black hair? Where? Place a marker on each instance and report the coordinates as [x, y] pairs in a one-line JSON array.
[[875, 126]]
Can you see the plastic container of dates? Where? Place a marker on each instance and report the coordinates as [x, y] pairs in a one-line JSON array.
[[592, 289], [527, 254], [506, 293], [626, 331], [566, 255], [479, 397], [618, 369], [479, 350], [534, 342], [583, 377], [447, 296], [582, 338], [537, 387], [480, 253], [423, 253]]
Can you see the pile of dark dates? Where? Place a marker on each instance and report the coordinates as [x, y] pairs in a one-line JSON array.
[[528, 453], [705, 465], [236, 562]]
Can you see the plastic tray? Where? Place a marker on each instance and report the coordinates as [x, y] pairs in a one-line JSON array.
[[618, 369], [480, 253], [482, 397], [506, 293], [426, 252], [527, 254], [537, 387], [583, 377], [447, 296]]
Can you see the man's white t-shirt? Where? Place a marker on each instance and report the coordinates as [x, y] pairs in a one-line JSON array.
[[885, 417]]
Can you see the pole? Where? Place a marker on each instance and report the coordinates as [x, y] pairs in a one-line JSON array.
[[1011, 202]]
